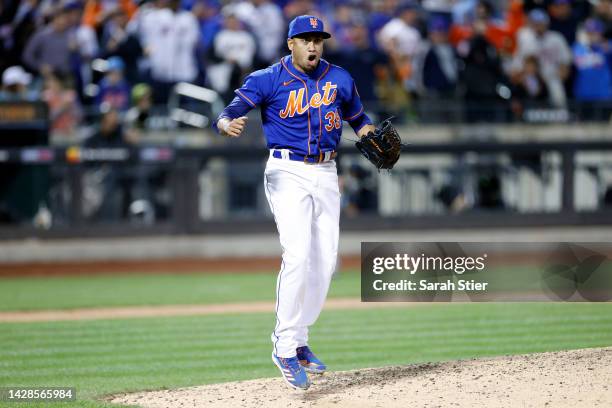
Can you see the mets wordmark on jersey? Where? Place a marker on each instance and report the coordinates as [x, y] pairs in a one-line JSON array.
[[302, 112]]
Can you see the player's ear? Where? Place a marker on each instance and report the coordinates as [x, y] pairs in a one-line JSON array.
[[290, 44]]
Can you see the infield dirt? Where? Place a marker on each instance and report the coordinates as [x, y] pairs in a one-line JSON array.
[[574, 378]]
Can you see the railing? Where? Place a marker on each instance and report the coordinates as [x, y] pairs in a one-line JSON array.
[[458, 110], [72, 192]]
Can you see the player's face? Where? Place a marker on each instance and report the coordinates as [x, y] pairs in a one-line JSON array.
[[306, 51]]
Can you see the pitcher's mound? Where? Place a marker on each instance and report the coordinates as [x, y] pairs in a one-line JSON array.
[[576, 378]]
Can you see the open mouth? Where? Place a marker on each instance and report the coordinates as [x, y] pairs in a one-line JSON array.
[[312, 57]]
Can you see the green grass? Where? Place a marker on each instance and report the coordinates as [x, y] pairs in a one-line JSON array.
[[148, 289], [108, 356], [69, 292]]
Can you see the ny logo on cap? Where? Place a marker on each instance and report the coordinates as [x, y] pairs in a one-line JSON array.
[[314, 22]]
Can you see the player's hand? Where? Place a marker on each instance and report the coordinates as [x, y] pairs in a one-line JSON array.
[[235, 127]]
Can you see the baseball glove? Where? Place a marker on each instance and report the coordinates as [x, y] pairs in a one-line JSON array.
[[381, 147]]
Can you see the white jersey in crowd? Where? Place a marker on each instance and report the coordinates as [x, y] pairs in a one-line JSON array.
[[405, 37], [266, 21], [87, 44], [236, 45], [552, 52], [170, 39]]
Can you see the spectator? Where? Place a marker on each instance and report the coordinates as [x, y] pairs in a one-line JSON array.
[[400, 34], [365, 63], [51, 48], [439, 9], [85, 36], [137, 118], [209, 19], [267, 23], [114, 90], [499, 33], [528, 88], [15, 83], [437, 74], [97, 11], [138, 23], [16, 27], [382, 13], [593, 82], [564, 19], [234, 43], [110, 133], [235, 48], [64, 108], [401, 40], [482, 76], [554, 55], [463, 12], [86, 46], [439, 69], [118, 41], [170, 39], [341, 23]]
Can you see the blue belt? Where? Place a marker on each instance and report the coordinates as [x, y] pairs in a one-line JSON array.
[[308, 159]]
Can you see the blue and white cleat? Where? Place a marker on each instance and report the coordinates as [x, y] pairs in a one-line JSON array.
[[309, 361], [292, 372]]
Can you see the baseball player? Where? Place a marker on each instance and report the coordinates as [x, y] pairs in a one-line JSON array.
[[303, 101]]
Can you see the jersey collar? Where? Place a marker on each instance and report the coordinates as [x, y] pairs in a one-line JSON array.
[[316, 74]]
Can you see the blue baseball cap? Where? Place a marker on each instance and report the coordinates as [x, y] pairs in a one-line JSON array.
[[114, 64], [307, 24], [437, 24], [539, 16], [593, 25]]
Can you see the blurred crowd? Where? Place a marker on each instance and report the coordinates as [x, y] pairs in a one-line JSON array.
[[481, 56]]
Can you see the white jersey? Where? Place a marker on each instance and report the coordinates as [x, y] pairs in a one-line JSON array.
[[552, 52], [236, 46], [170, 39], [551, 49], [405, 38], [268, 25]]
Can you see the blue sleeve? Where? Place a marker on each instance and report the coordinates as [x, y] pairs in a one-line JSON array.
[[360, 122], [237, 108], [352, 109], [253, 92], [255, 89]]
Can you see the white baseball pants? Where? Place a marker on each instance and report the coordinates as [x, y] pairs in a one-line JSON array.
[[305, 202]]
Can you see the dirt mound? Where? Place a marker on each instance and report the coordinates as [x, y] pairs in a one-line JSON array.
[[575, 378]]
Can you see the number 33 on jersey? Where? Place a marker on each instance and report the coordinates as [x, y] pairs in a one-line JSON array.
[[304, 112]]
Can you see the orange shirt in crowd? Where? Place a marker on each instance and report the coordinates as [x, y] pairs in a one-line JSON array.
[[94, 11], [501, 35]]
